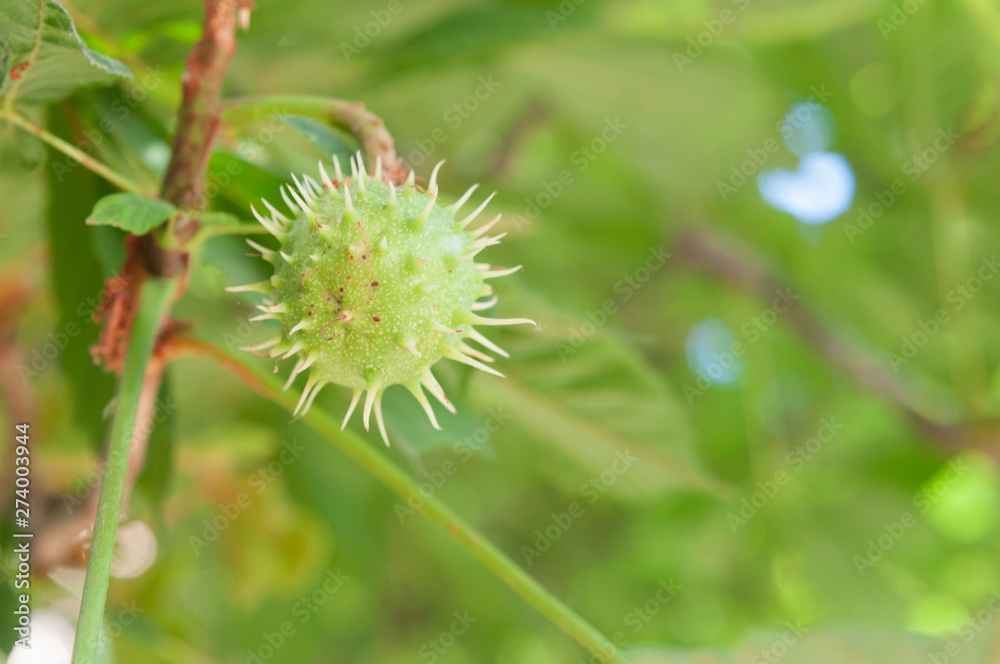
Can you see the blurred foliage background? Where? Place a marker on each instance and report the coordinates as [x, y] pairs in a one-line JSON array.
[[759, 237]]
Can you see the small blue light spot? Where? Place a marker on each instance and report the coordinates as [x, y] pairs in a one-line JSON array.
[[819, 191]]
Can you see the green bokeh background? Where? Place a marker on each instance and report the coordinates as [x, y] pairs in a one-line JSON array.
[[586, 387]]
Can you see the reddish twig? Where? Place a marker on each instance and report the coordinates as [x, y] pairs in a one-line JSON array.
[[352, 117], [370, 130], [191, 346], [198, 117], [727, 259], [533, 115], [117, 309], [197, 125]]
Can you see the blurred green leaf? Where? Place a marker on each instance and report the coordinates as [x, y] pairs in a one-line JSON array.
[[128, 136], [408, 422], [78, 280], [320, 135], [830, 645], [466, 35], [594, 398], [581, 205], [240, 181]]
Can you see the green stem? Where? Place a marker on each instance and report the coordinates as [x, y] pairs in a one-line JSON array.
[[206, 232], [404, 486], [154, 303], [108, 173]]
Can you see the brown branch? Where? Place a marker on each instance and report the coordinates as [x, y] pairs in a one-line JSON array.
[[198, 123], [198, 117], [727, 259]]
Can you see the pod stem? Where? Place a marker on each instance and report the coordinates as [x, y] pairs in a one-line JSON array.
[[156, 297]]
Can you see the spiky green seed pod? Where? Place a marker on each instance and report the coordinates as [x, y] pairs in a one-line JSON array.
[[373, 285]]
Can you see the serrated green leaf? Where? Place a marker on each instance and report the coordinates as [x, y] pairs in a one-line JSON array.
[[130, 212], [43, 57]]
